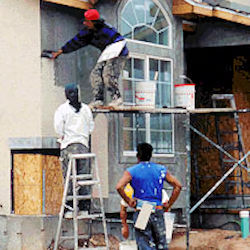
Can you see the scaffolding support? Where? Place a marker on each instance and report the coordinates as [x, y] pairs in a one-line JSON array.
[[188, 176], [216, 146], [188, 128], [218, 182]]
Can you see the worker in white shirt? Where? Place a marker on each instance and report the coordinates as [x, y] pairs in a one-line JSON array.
[[73, 122], [129, 191]]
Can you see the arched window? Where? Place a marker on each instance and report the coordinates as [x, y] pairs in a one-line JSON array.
[[147, 27], [143, 20]]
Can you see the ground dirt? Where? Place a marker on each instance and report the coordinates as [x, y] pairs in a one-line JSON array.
[[214, 239]]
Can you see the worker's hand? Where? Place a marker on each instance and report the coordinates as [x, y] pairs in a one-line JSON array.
[[125, 231], [166, 206], [56, 54], [132, 203]]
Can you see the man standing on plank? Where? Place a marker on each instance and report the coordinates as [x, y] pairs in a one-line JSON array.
[[106, 72]]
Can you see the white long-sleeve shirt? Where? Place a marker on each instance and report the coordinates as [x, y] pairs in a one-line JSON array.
[[73, 127]]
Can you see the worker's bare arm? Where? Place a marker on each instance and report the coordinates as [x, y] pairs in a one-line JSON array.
[[126, 178], [176, 190], [123, 216]]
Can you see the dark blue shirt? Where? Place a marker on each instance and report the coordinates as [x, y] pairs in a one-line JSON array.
[[99, 38], [147, 181]]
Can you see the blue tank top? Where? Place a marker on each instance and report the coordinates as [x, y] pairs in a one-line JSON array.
[[147, 181]]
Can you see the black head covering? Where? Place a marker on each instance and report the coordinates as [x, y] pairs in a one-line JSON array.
[[71, 92]]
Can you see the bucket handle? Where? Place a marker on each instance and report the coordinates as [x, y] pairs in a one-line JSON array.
[[187, 78]]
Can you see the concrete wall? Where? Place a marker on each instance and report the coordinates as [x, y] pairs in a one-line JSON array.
[[20, 88], [217, 33], [27, 90]]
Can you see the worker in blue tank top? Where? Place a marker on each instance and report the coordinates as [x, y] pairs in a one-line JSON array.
[[147, 178]]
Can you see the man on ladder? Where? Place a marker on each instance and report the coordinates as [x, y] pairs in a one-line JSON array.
[[73, 122]]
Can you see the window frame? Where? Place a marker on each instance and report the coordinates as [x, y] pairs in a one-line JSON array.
[[146, 59], [170, 32]]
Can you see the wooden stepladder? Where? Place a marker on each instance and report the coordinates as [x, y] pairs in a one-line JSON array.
[[80, 180]]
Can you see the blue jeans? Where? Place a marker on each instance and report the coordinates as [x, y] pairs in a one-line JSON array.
[[83, 167], [154, 235]]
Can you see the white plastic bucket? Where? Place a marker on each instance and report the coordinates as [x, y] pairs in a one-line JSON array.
[[128, 245], [169, 224], [145, 93], [185, 95]]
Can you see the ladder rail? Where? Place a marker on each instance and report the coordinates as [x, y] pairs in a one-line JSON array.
[[101, 204], [59, 225], [75, 211]]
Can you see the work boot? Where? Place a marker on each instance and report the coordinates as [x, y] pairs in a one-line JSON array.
[[116, 99], [116, 102], [96, 103]]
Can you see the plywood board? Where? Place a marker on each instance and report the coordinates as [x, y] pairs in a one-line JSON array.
[[38, 184], [53, 184], [27, 183], [28, 199], [28, 169]]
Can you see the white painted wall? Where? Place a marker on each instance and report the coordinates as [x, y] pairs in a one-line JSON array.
[[27, 92]]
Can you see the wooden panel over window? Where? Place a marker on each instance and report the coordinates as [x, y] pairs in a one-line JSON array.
[[80, 4], [190, 9]]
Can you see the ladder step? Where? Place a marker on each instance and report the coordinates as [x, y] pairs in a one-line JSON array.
[[224, 132], [93, 248], [83, 156], [228, 160], [89, 216], [71, 237], [222, 96], [84, 216], [87, 183], [79, 197], [82, 177]]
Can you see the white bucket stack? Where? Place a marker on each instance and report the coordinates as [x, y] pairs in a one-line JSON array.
[[145, 94], [185, 96]]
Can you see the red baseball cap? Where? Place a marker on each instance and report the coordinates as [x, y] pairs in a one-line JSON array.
[[92, 15]]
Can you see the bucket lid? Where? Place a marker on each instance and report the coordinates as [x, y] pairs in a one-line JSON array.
[[244, 214], [184, 84]]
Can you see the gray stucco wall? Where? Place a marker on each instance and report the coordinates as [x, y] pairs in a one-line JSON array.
[[217, 33], [59, 24]]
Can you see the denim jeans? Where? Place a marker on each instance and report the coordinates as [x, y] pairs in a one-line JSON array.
[[83, 167], [154, 235]]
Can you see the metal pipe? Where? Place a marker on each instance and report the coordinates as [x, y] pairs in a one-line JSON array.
[[218, 182], [188, 176], [216, 145]]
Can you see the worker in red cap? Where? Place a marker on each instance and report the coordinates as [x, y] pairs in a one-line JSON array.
[[108, 68]]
